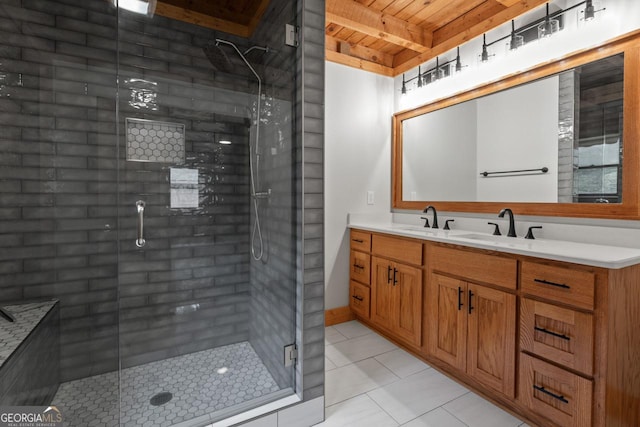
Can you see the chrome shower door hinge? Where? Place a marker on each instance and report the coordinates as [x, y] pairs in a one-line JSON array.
[[290, 355], [292, 36]]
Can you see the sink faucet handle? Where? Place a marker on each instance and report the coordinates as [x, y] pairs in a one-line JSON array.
[[530, 232], [446, 224], [426, 221], [496, 230]]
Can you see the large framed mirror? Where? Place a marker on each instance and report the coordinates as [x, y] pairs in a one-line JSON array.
[[562, 139]]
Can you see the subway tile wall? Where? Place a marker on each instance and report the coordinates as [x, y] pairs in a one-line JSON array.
[[61, 211], [310, 208]]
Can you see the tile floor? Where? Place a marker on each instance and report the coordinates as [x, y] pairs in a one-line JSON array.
[[370, 382], [201, 383]]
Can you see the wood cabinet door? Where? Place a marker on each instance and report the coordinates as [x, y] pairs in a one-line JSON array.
[[382, 292], [491, 337], [448, 320], [408, 303]]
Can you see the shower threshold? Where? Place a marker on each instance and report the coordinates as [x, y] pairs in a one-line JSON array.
[[204, 387]]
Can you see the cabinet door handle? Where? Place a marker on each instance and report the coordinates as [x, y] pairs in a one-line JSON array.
[[388, 274], [358, 298], [460, 305], [546, 282], [470, 304], [548, 393], [358, 240], [358, 266], [395, 279], [555, 334]]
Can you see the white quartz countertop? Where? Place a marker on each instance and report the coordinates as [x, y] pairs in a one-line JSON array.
[[580, 253]]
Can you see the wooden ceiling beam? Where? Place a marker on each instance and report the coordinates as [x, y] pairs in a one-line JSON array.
[[350, 61], [197, 18], [459, 31], [355, 16], [360, 52]]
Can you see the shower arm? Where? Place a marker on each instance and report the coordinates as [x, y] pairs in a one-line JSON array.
[[218, 41]]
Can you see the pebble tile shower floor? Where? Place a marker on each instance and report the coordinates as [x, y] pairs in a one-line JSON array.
[[201, 383]]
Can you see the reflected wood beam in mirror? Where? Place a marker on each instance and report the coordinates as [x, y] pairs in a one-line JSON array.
[[353, 15]]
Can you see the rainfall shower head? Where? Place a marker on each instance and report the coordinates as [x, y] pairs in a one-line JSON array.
[[217, 56]]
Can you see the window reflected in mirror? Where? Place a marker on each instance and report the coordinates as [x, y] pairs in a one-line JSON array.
[[598, 144]]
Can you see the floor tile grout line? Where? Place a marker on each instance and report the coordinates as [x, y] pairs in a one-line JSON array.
[[453, 415]]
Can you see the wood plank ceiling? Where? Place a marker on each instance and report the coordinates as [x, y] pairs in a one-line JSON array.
[[390, 37], [386, 37]]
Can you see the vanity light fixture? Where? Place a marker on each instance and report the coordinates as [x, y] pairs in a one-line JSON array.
[[549, 26], [516, 40], [419, 76], [224, 142], [484, 56], [590, 10], [458, 61], [404, 85]]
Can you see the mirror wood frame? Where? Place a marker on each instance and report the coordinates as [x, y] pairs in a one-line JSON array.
[[629, 44]]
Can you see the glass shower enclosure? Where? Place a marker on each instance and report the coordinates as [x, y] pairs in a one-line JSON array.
[[147, 209]]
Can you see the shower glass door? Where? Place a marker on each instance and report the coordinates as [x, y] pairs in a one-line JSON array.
[[206, 216]]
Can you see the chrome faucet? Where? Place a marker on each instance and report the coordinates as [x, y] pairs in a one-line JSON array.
[[512, 226], [435, 215]]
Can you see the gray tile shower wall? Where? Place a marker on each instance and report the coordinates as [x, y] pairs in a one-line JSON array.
[[188, 289], [57, 149], [310, 208]]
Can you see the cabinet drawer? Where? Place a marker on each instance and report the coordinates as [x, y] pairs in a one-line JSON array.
[[359, 296], [554, 393], [474, 266], [565, 285], [360, 267], [558, 334], [361, 240], [407, 251]]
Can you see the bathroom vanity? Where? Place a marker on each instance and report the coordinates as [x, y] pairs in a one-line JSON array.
[[546, 329]]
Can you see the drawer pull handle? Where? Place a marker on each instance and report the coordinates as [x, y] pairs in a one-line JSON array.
[[470, 305], [459, 298], [358, 240], [547, 392], [358, 266], [546, 282], [358, 298], [388, 274], [395, 279], [555, 334]]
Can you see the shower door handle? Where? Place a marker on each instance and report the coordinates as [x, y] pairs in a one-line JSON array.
[[140, 242]]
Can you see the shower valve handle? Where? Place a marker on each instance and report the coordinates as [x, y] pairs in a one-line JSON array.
[[140, 242]]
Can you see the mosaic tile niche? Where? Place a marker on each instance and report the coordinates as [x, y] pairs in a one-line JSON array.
[[154, 141]]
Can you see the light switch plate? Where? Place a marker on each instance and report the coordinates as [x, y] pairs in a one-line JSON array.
[[370, 197]]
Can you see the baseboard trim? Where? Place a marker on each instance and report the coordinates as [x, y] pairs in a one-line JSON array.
[[338, 315]]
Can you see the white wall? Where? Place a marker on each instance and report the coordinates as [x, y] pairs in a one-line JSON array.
[[358, 110], [518, 129], [442, 164]]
